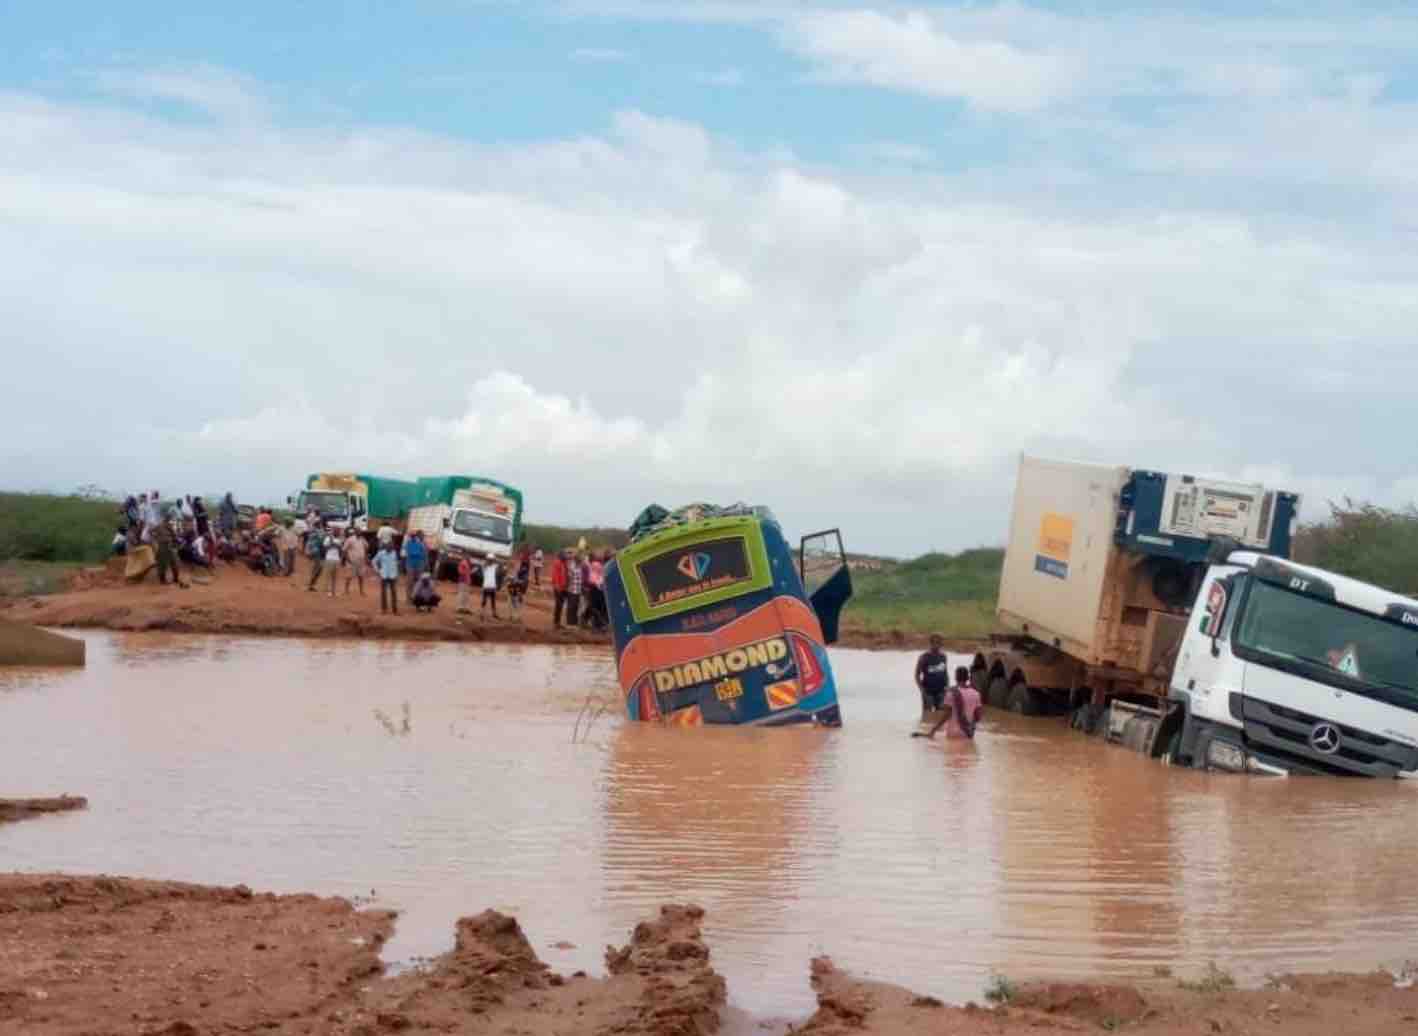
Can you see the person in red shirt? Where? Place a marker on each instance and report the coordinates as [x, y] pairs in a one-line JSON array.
[[560, 577]]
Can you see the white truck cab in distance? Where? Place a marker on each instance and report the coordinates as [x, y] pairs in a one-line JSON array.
[[1288, 669]]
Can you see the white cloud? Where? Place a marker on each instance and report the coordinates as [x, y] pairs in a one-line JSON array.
[[654, 313], [604, 55], [214, 91], [913, 52]]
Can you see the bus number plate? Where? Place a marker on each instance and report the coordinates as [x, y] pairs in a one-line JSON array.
[[728, 690]]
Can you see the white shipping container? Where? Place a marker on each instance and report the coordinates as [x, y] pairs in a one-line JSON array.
[[1060, 539]]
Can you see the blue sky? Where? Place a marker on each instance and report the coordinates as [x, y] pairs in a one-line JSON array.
[[638, 249]]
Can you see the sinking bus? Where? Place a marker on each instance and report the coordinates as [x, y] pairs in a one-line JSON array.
[[714, 623]]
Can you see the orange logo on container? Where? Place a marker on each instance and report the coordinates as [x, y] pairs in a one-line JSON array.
[[782, 695], [1056, 537]]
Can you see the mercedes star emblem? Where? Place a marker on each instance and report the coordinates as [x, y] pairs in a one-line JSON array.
[[1324, 738]]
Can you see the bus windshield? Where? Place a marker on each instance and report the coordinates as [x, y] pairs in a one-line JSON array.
[[688, 572], [483, 526], [1330, 642], [327, 505]]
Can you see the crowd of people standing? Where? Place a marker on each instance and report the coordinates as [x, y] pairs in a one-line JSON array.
[[184, 531], [578, 582]]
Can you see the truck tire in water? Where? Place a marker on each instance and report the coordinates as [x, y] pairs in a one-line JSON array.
[[997, 693]]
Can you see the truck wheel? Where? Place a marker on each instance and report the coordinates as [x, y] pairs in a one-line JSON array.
[[1172, 755], [1022, 700], [997, 696]]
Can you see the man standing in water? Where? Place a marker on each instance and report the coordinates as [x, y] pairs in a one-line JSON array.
[[963, 708], [932, 676]]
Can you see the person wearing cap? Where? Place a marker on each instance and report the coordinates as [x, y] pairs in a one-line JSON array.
[[933, 675]]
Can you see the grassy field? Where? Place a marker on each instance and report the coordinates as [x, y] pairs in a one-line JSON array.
[[44, 537], [950, 594], [39, 527]]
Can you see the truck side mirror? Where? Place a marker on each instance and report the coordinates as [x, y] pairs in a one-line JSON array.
[[1218, 598], [290, 501]]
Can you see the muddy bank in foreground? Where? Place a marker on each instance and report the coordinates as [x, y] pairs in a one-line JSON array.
[[236, 601], [23, 809], [120, 956]]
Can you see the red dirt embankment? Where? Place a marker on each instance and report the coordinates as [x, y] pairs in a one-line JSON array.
[[236, 601], [1317, 1005], [122, 957]]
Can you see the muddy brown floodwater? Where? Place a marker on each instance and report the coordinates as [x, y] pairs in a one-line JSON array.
[[441, 779]]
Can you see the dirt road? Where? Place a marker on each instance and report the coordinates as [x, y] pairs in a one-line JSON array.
[[143, 958], [237, 601]]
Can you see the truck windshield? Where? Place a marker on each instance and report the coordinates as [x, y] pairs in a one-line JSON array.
[[1332, 643], [327, 505], [483, 526]]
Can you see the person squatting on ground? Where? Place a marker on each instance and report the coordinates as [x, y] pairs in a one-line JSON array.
[[963, 708], [424, 598], [386, 566], [356, 552], [490, 574], [465, 584], [932, 676]]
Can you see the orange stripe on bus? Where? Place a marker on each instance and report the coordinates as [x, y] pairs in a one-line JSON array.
[[648, 652]]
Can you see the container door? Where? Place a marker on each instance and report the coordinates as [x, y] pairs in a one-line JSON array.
[[827, 581]]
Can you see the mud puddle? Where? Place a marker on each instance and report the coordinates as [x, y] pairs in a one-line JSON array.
[[441, 779]]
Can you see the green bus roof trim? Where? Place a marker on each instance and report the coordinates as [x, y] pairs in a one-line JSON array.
[[689, 535]]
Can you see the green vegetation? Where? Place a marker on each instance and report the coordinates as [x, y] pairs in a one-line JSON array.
[[551, 538], [40, 527], [950, 594], [1371, 543], [1000, 989]]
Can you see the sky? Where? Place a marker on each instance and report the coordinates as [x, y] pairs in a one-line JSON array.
[[847, 260]]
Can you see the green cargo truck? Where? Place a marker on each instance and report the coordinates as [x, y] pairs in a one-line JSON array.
[[365, 502], [467, 516]]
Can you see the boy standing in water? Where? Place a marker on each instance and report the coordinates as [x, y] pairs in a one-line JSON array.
[[932, 676]]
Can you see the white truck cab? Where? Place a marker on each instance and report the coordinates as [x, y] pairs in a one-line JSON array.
[[1288, 669], [339, 509]]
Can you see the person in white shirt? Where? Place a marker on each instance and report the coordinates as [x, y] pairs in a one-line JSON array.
[[490, 574]]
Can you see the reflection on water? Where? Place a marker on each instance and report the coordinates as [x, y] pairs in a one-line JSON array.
[[444, 778]]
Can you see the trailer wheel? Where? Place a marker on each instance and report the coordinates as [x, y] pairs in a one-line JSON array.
[[1023, 701], [997, 696]]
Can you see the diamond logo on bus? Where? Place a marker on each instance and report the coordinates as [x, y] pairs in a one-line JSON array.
[[694, 566]]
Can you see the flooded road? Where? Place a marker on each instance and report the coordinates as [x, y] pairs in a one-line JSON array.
[[443, 779]]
